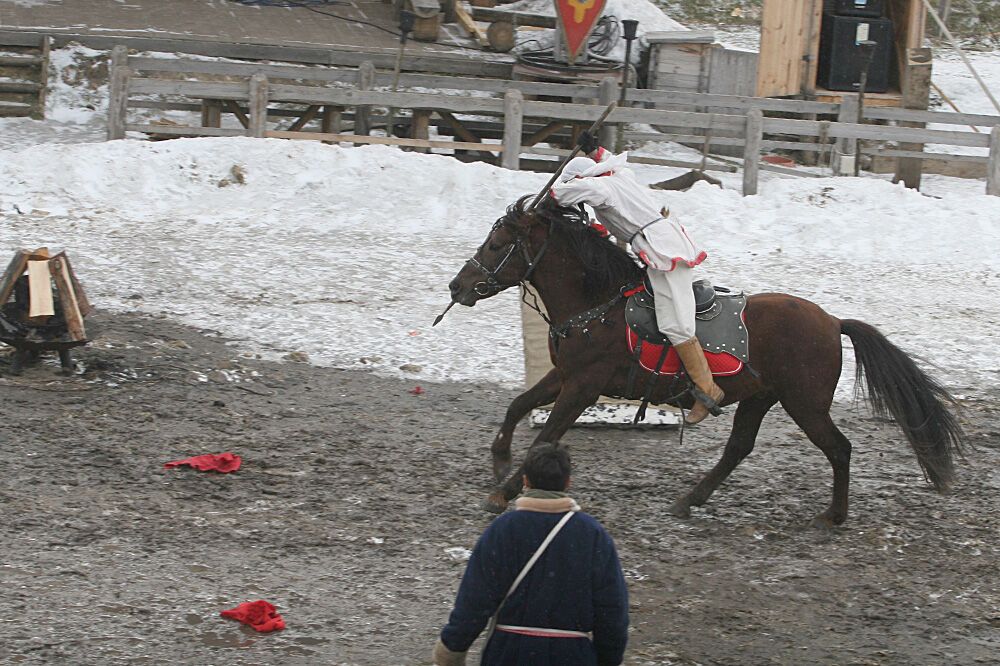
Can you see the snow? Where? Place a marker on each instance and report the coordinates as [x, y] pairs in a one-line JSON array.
[[345, 253]]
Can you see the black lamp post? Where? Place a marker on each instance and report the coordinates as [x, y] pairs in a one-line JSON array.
[[406, 19], [867, 48], [629, 27]]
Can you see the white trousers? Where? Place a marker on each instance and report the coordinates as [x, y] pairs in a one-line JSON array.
[[673, 297]]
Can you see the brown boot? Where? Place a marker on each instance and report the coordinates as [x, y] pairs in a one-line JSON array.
[[707, 393]]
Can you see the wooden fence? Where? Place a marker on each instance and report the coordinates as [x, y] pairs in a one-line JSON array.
[[512, 121]]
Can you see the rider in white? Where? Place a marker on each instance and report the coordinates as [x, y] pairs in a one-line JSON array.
[[624, 206]]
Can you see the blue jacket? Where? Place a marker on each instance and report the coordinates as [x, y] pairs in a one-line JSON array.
[[577, 584]]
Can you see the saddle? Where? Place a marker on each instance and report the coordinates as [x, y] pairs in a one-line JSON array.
[[720, 328]]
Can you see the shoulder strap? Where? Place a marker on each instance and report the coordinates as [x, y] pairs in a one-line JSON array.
[[524, 572]]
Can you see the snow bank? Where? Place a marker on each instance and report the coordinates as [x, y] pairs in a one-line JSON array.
[[345, 253]]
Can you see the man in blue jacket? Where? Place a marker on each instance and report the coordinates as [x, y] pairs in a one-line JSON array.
[[571, 607]]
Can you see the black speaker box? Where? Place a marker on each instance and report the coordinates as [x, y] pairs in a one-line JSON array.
[[840, 53], [873, 8]]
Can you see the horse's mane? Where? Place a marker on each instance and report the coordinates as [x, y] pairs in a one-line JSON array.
[[606, 266]]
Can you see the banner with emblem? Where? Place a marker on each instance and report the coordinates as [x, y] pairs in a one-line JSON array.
[[577, 19]]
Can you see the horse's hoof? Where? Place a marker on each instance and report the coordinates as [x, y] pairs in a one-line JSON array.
[[680, 509], [824, 522], [495, 504]]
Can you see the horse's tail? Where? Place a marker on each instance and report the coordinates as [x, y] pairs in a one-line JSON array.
[[896, 387]]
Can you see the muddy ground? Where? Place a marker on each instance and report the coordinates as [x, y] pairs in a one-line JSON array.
[[353, 490]]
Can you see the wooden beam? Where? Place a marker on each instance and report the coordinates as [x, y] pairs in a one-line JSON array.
[[258, 106], [386, 141], [993, 168], [15, 269], [518, 19], [512, 119], [58, 270], [751, 151], [544, 133], [237, 111], [81, 297], [304, 119]]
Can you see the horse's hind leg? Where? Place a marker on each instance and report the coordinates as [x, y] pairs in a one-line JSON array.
[[822, 432], [746, 424], [542, 393]]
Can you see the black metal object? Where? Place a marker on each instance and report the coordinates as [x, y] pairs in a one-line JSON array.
[[30, 338], [870, 8], [841, 56]]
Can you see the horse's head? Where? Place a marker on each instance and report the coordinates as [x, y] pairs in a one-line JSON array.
[[507, 257]]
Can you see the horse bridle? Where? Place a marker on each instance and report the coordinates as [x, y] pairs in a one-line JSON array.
[[491, 285]]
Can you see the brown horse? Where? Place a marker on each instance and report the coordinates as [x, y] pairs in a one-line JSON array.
[[795, 349]]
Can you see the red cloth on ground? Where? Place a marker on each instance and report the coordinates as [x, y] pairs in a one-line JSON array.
[[212, 462], [259, 614]]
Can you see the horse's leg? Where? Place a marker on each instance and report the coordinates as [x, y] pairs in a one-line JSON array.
[[746, 424], [542, 393], [573, 399], [821, 431]]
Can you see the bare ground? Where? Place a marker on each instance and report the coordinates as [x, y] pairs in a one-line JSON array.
[[353, 488]]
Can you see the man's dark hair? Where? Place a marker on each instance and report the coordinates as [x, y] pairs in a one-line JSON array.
[[547, 467]]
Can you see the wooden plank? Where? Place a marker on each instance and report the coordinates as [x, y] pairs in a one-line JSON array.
[[785, 45], [939, 117], [658, 161], [82, 301], [854, 131], [590, 112], [400, 100], [732, 72], [386, 141], [200, 89], [916, 94], [741, 102], [544, 133], [15, 269], [751, 151], [993, 167], [40, 289], [58, 270], [211, 112], [497, 66], [20, 86], [118, 104], [21, 38], [247, 69], [922, 155], [180, 130], [332, 120], [512, 118], [516, 18], [568, 90]]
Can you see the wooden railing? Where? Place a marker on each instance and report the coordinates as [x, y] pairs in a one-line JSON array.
[[341, 101]]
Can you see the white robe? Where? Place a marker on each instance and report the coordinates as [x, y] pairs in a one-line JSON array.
[[623, 205]]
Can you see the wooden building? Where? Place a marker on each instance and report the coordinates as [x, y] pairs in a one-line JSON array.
[[790, 43]]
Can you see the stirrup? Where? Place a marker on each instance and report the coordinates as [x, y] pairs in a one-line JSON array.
[[702, 397]]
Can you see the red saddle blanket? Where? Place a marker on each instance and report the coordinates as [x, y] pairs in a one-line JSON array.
[[721, 364]]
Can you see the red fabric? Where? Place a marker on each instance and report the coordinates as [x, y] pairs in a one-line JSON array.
[[600, 228], [417, 390], [721, 364], [259, 614], [632, 292], [212, 462]]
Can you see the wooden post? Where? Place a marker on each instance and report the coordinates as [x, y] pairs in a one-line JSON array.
[[751, 151], [211, 113], [38, 113], [118, 104], [993, 170], [420, 126], [363, 113], [513, 120], [916, 95], [846, 148], [607, 92], [15, 269], [331, 120], [258, 106]]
